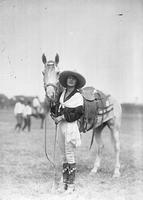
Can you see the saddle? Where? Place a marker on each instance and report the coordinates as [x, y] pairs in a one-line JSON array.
[[95, 103]]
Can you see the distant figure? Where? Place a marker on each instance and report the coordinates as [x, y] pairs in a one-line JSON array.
[[27, 112], [36, 105], [18, 112]]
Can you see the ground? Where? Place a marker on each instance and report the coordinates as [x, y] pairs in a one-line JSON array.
[[26, 174]]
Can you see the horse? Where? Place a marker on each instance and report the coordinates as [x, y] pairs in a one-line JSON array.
[[102, 115]]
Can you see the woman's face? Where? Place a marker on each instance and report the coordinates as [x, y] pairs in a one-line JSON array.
[[71, 81]]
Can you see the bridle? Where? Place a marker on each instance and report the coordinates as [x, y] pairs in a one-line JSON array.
[[55, 89]]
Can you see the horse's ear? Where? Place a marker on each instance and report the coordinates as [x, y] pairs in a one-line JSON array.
[[44, 58], [57, 59]]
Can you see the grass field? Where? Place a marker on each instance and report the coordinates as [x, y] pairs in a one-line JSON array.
[[26, 174]]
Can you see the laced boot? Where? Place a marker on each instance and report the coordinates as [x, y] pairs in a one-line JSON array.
[[71, 178], [63, 185]]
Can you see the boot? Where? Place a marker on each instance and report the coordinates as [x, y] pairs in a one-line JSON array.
[[65, 174], [71, 178], [63, 185]]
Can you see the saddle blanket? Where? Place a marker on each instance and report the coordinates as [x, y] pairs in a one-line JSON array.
[[96, 113], [104, 118], [99, 119]]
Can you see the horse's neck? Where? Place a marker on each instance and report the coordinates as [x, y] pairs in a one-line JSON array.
[[59, 90]]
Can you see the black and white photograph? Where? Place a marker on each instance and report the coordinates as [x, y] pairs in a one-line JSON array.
[[71, 99]]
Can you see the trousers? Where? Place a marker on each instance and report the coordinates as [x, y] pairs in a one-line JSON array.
[[67, 146]]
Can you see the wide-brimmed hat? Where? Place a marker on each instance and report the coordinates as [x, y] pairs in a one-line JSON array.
[[65, 74]]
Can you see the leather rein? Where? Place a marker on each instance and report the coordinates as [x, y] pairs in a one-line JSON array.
[[52, 102]]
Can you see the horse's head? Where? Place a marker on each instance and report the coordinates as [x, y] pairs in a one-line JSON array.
[[51, 76]]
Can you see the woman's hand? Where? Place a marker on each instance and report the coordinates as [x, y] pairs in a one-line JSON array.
[[58, 119]]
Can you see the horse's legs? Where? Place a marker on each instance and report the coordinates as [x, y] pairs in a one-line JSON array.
[[97, 133], [114, 127], [42, 122], [42, 117]]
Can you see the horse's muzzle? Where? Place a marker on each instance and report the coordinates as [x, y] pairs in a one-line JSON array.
[[50, 92]]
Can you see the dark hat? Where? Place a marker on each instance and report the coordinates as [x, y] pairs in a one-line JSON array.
[[65, 74]]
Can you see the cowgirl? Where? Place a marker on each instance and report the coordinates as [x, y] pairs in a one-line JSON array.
[[71, 109]]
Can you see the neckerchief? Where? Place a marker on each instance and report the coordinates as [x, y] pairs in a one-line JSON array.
[[70, 95]]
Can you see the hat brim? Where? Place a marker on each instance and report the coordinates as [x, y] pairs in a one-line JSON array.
[[64, 75]]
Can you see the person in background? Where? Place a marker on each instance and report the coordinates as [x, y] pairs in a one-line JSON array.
[[18, 112], [70, 110], [27, 112], [36, 104]]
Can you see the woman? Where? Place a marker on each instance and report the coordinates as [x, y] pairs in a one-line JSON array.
[[70, 110]]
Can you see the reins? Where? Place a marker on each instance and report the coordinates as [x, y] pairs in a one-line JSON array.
[[47, 156], [53, 162]]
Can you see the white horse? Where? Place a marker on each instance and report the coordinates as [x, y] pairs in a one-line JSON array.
[[111, 118]]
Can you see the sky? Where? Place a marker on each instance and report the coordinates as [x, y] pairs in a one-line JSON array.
[[101, 39]]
